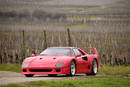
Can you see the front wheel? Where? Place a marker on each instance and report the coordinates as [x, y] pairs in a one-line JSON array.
[[72, 68], [94, 68], [29, 75]]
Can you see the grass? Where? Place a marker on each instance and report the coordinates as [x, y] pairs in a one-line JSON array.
[[87, 82], [116, 70], [10, 67]]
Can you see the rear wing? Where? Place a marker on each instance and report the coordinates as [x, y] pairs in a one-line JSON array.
[[90, 50]]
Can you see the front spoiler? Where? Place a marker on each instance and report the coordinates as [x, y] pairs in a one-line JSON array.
[[63, 70]]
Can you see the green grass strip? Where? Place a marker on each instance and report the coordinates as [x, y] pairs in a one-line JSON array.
[[10, 67], [88, 82]]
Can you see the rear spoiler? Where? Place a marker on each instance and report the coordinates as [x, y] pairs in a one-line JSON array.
[[95, 50]]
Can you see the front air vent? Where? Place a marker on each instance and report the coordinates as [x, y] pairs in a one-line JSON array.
[[54, 58], [40, 70], [24, 70], [40, 58], [58, 70]]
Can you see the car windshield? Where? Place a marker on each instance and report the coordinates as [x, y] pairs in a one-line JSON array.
[[57, 51]]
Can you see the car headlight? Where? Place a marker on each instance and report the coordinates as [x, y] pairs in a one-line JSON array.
[[25, 65], [59, 64]]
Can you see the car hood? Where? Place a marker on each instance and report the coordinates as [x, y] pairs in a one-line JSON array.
[[47, 60]]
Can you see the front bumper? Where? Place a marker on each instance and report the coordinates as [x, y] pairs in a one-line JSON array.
[[46, 70]]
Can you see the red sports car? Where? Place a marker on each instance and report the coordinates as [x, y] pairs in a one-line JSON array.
[[62, 61]]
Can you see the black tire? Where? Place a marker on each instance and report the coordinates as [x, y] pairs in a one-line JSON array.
[[29, 75], [72, 68], [93, 71], [52, 75]]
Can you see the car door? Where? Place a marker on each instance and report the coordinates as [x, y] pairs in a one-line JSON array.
[[81, 62]]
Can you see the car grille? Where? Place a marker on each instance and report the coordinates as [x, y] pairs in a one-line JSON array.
[[40, 70]]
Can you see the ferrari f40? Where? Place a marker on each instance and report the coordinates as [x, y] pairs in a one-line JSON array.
[[62, 61]]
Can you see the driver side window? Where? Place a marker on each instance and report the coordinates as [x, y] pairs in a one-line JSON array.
[[76, 52]]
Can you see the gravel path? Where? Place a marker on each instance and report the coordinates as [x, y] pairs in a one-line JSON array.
[[7, 77], [13, 77]]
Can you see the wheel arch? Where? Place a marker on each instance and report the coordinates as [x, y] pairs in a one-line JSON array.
[[70, 61], [75, 63], [95, 59], [97, 62]]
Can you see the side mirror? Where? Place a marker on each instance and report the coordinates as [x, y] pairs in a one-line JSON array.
[[33, 55], [78, 55]]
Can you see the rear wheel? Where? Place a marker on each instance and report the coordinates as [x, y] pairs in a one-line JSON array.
[[72, 68], [94, 68], [29, 75]]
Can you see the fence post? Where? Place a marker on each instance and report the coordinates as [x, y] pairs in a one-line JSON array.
[[69, 37], [45, 39], [0, 54], [23, 46], [5, 56], [90, 45]]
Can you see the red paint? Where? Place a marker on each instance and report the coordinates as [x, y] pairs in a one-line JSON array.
[[48, 62]]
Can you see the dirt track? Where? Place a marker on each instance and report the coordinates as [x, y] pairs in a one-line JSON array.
[[13, 77], [7, 77]]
